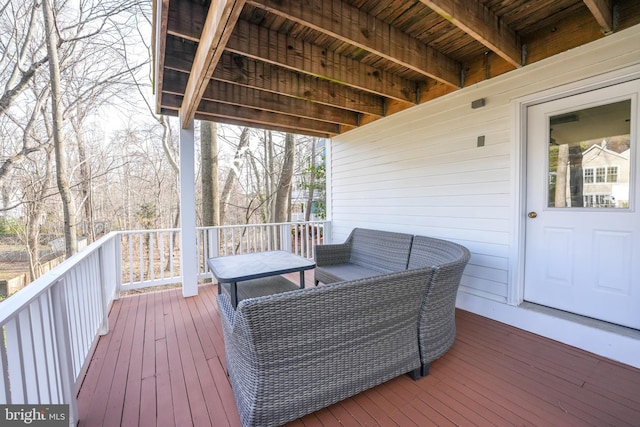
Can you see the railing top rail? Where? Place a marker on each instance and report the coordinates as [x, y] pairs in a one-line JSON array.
[[26, 295], [152, 230], [265, 224]]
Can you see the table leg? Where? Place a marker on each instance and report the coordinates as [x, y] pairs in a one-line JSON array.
[[302, 279], [233, 288]]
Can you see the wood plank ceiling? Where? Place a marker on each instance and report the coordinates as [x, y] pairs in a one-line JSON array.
[[323, 67]]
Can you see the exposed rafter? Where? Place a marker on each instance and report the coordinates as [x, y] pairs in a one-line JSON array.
[[158, 42], [602, 10], [261, 117], [173, 112], [250, 73], [266, 45], [227, 93], [221, 19], [476, 20], [349, 24], [186, 19]]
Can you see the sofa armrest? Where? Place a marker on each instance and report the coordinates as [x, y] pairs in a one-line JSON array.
[[332, 254]]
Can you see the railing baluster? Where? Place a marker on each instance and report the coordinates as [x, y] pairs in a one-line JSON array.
[[38, 344], [102, 303], [255, 238], [141, 257], [161, 254], [14, 365], [74, 298], [152, 264], [130, 236], [64, 344], [172, 269], [25, 329]]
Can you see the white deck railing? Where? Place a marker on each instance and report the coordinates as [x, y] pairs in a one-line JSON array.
[[152, 257], [50, 328]]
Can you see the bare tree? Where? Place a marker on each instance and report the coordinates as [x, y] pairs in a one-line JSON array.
[[312, 180], [35, 209], [234, 172], [21, 63], [209, 165], [269, 174], [62, 173], [283, 194]]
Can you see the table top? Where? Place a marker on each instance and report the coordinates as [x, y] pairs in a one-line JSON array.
[[237, 268]]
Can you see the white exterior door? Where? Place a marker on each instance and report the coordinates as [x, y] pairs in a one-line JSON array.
[[583, 225]]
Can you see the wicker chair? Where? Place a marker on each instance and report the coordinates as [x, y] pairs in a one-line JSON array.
[[296, 352]]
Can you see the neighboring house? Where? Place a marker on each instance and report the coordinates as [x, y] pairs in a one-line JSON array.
[[606, 177]]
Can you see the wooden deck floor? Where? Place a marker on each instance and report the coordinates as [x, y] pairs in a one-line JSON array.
[[163, 364]]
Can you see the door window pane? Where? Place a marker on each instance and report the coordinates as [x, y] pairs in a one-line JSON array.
[[589, 157]]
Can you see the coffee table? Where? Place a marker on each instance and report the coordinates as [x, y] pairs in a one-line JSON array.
[[233, 269]]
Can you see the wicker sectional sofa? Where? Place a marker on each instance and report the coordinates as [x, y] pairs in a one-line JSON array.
[[368, 253], [292, 353]]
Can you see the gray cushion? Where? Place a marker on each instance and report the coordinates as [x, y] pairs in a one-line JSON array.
[[380, 250], [340, 272]]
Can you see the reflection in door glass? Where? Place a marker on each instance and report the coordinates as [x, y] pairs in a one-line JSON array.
[[589, 157]]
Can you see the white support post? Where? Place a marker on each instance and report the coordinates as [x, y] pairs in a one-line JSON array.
[[188, 253]]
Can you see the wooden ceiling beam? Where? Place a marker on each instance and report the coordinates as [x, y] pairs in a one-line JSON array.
[[186, 19], [159, 39], [602, 10], [253, 98], [221, 18], [260, 117], [228, 93], [276, 48], [349, 24], [173, 112], [180, 54], [262, 126], [475, 19], [248, 72]]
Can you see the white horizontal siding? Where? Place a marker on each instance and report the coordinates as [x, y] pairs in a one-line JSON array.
[[420, 171]]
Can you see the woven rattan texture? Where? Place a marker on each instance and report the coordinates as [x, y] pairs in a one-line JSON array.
[[293, 353]]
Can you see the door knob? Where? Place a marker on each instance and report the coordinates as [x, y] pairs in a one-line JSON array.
[[532, 214]]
